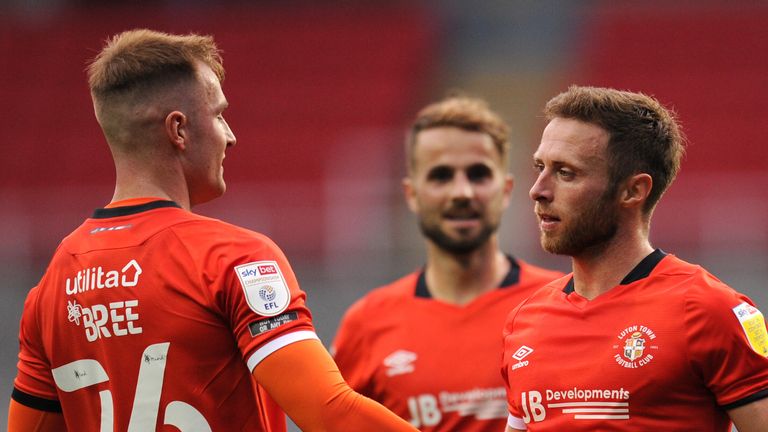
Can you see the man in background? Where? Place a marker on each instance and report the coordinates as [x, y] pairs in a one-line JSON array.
[[634, 339], [150, 317], [427, 345]]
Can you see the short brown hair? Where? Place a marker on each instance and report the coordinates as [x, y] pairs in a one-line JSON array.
[[644, 136], [463, 112], [144, 57]]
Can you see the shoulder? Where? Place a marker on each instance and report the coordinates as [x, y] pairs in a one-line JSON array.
[[205, 235], [213, 230], [217, 249], [549, 294], [692, 283], [384, 298], [705, 299], [366, 316], [552, 287], [530, 273], [172, 226], [31, 301]]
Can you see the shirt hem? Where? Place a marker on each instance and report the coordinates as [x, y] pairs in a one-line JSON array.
[[749, 399], [35, 402]]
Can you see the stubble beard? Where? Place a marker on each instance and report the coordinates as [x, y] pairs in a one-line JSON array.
[[460, 246], [592, 229]]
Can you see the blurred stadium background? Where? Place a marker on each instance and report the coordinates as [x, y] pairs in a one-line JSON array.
[[321, 93]]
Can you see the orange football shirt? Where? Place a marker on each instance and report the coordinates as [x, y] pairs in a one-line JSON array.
[[150, 317], [670, 348], [432, 363]]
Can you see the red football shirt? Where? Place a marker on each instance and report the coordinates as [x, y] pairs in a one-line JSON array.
[[670, 348], [434, 364], [150, 317]]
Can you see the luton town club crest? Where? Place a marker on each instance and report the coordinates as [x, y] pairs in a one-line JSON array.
[[637, 346], [634, 346]]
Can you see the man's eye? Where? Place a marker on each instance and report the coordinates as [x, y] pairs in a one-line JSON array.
[[565, 173], [479, 173], [440, 174]]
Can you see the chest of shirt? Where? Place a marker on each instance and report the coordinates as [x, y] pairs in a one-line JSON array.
[[438, 365], [429, 351], [604, 364]]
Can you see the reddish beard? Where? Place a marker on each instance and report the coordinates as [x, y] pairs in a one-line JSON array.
[[591, 228]]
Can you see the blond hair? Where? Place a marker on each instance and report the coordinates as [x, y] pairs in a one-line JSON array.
[[463, 112]]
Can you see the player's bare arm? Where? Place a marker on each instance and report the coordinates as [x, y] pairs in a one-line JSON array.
[[752, 417]]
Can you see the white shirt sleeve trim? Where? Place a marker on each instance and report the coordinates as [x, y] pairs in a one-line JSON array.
[[516, 423], [275, 344]]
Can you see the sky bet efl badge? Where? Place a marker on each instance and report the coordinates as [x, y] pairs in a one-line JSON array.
[[264, 286], [753, 323]]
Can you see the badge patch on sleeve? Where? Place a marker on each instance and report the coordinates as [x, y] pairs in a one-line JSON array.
[[753, 323], [268, 324], [265, 289]]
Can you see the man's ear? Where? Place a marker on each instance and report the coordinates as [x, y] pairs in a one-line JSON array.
[[176, 129], [636, 190], [509, 184], [410, 194]]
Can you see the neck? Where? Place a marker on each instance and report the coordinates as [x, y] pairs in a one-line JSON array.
[[598, 271], [459, 279], [138, 179]]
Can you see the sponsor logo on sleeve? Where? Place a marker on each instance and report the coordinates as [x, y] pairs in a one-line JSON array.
[[753, 323], [263, 326], [264, 286]]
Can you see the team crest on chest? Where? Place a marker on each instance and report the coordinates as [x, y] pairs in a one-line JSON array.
[[636, 347]]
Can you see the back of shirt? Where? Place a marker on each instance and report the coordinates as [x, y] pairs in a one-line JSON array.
[[149, 320]]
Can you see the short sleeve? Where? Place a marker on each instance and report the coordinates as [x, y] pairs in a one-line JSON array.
[[350, 349], [34, 372], [726, 336], [262, 300]]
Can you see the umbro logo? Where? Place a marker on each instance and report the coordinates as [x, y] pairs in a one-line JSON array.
[[519, 355], [522, 353], [400, 362]]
